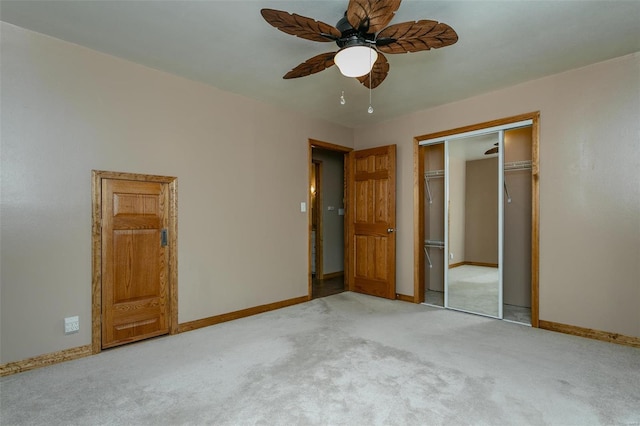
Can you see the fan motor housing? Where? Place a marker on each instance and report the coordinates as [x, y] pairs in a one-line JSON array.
[[352, 37]]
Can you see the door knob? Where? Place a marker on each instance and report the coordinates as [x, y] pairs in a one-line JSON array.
[[390, 230]]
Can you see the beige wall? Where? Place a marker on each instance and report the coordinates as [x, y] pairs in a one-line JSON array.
[[589, 187], [241, 166], [457, 206], [332, 221], [481, 211]]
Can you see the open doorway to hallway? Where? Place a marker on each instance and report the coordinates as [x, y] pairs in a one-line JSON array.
[[327, 219]]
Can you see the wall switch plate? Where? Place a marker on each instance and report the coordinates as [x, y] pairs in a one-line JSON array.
[[303, 207], [451, 256], [71, 325], [331, 208]]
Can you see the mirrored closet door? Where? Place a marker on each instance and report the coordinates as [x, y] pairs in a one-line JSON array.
[[477, 234], [473, 224]]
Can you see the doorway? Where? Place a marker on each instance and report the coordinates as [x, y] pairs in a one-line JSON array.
[[328, 246], [367, 216], [134, 259], [453, 228]]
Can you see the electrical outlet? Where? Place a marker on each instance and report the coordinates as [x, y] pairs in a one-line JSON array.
[[71, 325]]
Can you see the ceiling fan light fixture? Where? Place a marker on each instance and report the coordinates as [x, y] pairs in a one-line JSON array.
[[355, 61]]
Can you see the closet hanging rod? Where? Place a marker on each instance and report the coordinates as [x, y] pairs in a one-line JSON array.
[[434, 173], [518, 165]]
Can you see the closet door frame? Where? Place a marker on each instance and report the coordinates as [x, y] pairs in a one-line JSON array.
[[495, 125]]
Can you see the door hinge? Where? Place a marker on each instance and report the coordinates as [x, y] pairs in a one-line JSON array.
[[163, 237]]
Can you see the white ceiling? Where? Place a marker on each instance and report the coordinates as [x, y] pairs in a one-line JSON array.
[[228, 45]]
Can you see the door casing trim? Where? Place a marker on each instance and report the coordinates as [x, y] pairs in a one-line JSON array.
[[348, 153], [96, 248], [319, 258]]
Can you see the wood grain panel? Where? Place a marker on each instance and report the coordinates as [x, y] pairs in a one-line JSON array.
[[370, 247], [372, 287], [149, 203], [381, 257], [139, 261], [373, 235], [405, 298], [139, 204], [590, 333], [371, 257], [363, 207], [361, 257], [135, 264], [361, 164], [45, 360], [381, 204], [381, 163], [535, 219]]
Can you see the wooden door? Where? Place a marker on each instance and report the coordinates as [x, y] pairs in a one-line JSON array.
[[135, 261], [374, 221]]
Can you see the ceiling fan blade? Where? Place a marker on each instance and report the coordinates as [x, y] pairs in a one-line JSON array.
[[300, 26], [415, 36], [378, 72], [311, 66], [491, 151], [370, 16]]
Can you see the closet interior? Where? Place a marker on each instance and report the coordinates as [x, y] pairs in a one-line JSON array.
[[434, 199]]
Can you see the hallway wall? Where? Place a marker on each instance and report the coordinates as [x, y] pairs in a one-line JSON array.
[[332, 196]]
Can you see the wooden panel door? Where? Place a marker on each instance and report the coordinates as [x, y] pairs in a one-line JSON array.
[[135, 267], [374, 221]]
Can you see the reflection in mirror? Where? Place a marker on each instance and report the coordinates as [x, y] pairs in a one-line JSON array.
[[473, 280]]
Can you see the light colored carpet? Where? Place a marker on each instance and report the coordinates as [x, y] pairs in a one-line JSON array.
[[435, 298], [347, 359], [516, 314], [474, 289]]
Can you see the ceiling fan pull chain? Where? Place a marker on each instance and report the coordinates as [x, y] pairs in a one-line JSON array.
[[370, 109]]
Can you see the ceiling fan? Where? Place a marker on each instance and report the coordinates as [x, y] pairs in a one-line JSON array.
[[362, 38]]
